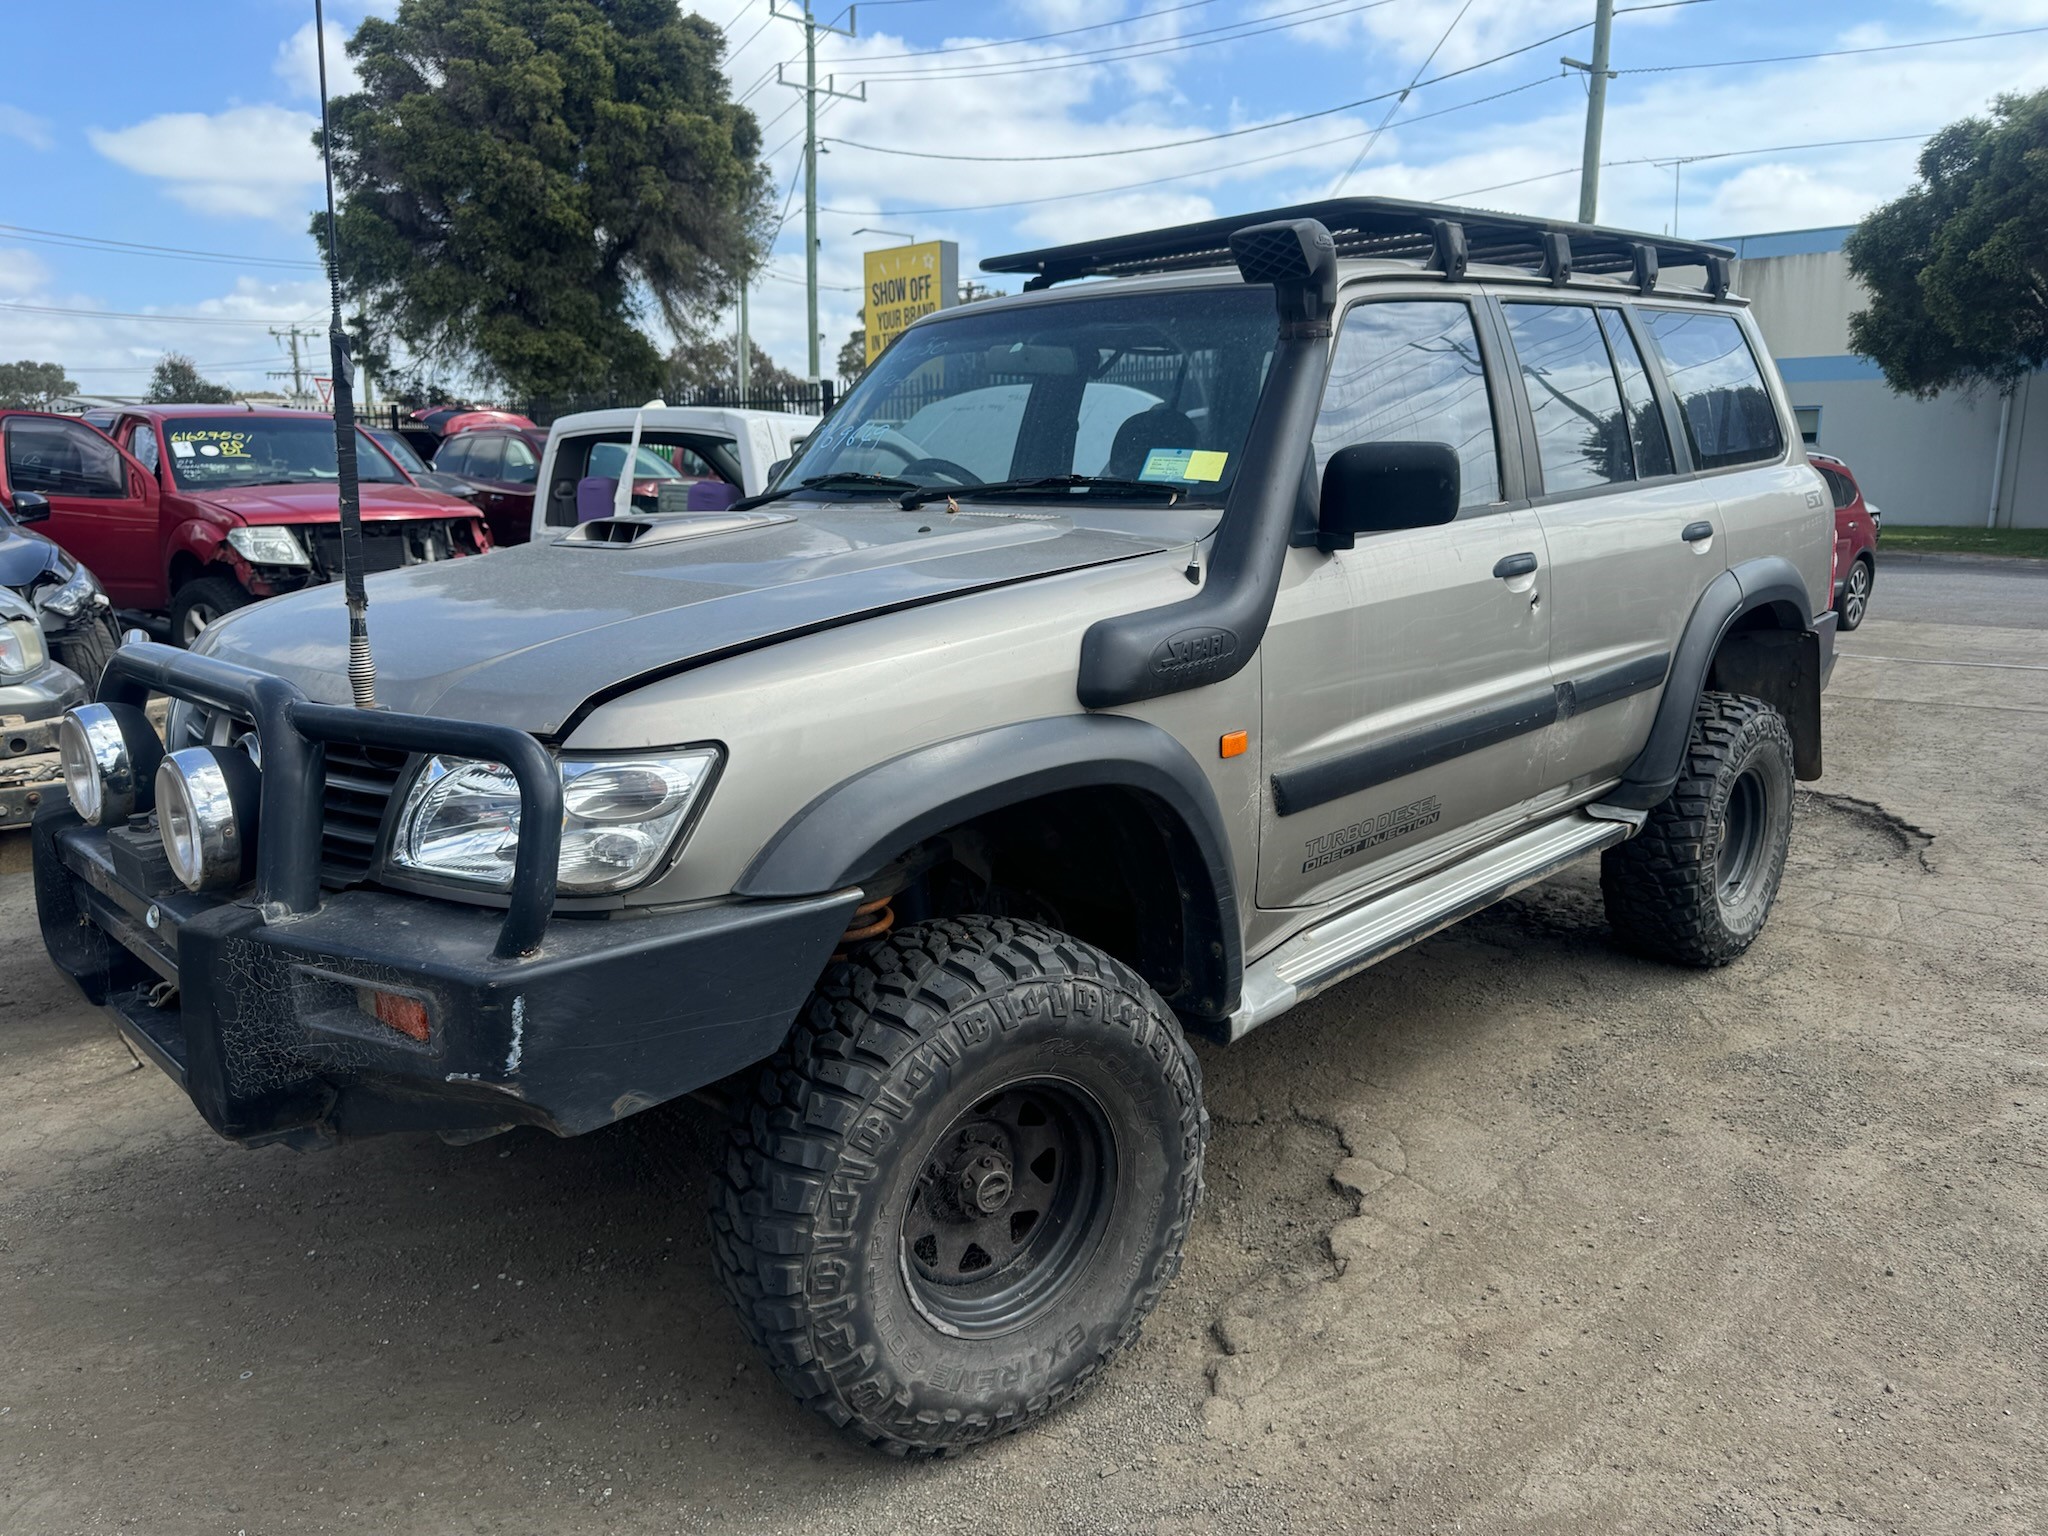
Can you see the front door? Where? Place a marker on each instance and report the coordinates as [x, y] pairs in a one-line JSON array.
[[1406, 681], [103, 506]]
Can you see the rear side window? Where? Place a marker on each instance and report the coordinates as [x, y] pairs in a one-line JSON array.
[[1646, 430], [1411, 373], [1581, 431], [486, 457], [1728, 415], [1838, 486]]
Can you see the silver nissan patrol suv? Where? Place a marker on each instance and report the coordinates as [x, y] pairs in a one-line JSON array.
[[1123, 660]]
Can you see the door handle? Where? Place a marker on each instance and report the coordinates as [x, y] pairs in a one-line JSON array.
[[1694, 532], [1508, 567]]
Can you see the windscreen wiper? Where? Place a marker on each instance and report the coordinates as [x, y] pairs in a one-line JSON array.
[[1044, 484], [843, 480]]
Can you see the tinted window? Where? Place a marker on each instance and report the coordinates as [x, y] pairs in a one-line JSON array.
[[62, 458], [1646, 431], [521, 467], [1581, 432], [486, 456], [1728, 415], [453, 458], [1411, 373], [1838, 486]]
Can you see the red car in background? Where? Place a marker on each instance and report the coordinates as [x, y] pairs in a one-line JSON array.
[[503, 463], [196, 510], [1856, 531]]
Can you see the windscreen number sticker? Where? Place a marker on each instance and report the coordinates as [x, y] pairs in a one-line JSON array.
[[211, 443], [1184, 464]]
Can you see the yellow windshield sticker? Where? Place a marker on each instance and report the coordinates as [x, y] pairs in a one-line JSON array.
[[1184, 464], [210, 443]]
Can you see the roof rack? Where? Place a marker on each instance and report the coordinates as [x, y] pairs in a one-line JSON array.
[[1389, 228]]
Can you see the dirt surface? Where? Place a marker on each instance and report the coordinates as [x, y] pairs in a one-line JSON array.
[[1513, 1233]]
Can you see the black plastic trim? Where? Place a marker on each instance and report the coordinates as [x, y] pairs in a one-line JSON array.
[[1313, 784], [1610, 685], [856, 828]]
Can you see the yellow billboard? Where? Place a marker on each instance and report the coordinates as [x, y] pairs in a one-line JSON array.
[[905, 283]]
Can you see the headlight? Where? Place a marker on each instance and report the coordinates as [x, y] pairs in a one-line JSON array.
[[206, 805], [109, 755], [73, 597], [21, 648], [267, 546], [620, 818]]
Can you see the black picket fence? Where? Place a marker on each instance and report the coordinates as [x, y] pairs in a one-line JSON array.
[[800, 399]]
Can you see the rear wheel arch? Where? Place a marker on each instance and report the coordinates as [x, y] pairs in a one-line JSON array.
[[1106, 823]]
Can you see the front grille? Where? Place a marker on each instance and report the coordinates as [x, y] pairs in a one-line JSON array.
[[360, 781]]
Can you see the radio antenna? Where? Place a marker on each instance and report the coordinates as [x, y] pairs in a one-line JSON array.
[[362, 669]]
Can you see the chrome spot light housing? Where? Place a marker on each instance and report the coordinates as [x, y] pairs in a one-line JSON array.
[[109, 755], [206, 804]]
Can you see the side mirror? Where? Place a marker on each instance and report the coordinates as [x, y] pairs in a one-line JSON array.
[[775, 470], [31, 507], [1378, 487]]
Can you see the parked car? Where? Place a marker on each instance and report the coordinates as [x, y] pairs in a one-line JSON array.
[[931, 798], [1856, 532], [196, 510], [394, 443], [74, 624], [728, 453], [503, 463]]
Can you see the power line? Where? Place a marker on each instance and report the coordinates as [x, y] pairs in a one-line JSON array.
[[1207, 170], [138, 248], [1016, 42], [116, 314], [1117, 53], [1724, 154], [1395, 106], [1832, 53], [1232, 133]]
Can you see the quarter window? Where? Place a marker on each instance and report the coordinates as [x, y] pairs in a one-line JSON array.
[[1411, 372], [1582, 434], [1728, 415]]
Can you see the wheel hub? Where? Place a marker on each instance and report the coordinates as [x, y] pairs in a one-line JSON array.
[[986, 1182]]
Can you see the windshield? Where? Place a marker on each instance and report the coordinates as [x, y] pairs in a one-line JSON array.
[[208, 452], [400, 450], [605, 459], [1155, 387]]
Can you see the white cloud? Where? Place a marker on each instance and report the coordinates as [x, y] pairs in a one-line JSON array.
[[24, 126], [21, 272], [250, 162], [298, 63]]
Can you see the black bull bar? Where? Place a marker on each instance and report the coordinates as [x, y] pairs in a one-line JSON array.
[[292, 734]]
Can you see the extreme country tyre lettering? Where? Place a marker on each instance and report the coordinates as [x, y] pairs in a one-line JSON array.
[[963, 1183]]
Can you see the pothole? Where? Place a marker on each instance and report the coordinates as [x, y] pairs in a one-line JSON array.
[[1846, 828]]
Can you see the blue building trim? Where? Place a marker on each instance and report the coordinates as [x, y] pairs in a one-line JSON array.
[[1790, 242], [1844, 369]]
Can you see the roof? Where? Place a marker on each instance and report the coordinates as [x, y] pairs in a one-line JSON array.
[[1384, 228], [1790, 242], [723, 419], [231, 408]]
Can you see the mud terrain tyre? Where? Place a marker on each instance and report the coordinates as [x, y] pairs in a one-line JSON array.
[[202, 600], [962, 1184], [1696, 884]]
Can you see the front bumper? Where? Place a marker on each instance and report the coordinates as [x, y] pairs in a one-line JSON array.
[[30, 712], [264, 1021]]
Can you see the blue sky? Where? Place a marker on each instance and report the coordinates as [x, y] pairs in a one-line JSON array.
[[130, 122]]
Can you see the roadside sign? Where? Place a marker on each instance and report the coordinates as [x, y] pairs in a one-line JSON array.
[[905, 283], [326, 388]]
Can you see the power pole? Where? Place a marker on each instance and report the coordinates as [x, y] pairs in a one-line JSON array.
[[744, 349], [1597, 76], [291, 335], [811, 89]]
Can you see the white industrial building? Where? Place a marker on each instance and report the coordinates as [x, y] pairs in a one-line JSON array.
[[1961, 459]]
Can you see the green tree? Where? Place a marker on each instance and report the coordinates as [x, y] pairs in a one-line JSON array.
[[703, 362], [27, 386], [522, 177], [1958, 267], [177, 382], [853, 353]]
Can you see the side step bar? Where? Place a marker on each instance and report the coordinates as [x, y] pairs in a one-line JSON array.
[[1339, 947]]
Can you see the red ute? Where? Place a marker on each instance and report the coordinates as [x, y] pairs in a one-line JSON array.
[[1855, 540], [196, 510]]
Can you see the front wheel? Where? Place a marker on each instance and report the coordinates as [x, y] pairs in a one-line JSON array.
[[1696, 884], [200, 602], [963, 1184]]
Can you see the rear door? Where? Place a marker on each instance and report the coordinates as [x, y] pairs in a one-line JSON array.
[[103, 505], [1631, 536], [1406, 681]]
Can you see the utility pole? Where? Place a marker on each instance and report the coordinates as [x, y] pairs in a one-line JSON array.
[[811, 89], [290, 335], [743, 350], [1597, 76]]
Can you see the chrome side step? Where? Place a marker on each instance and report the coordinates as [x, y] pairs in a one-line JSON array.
[[1340, 947]]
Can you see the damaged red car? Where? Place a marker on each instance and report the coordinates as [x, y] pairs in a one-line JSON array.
[[195, 510]]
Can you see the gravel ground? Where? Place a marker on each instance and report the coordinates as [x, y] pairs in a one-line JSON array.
[[1513, 1233]]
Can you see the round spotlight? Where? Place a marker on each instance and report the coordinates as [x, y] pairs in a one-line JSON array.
[[109, 755], [206, 799]]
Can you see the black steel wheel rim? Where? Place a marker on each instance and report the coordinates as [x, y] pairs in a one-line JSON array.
[[1011, 1203], [1743, 827]]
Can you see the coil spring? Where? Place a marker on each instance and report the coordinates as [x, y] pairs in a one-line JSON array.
[[871, 919]]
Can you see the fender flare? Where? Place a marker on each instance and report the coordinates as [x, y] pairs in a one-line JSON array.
[[854, 829], [1770, 582]]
